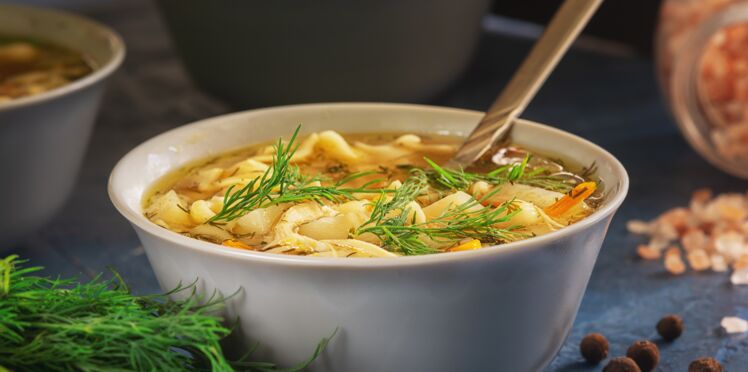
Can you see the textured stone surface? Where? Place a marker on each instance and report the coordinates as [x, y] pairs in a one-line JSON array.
[[611, 100]]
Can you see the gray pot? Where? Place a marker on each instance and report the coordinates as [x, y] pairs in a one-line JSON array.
[[259, 53], [43, 138]]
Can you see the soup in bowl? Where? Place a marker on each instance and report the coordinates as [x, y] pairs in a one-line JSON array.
[[369, 195], [351, 222]]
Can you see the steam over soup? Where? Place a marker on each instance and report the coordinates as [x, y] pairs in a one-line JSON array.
[[29, 67], [374, 195]]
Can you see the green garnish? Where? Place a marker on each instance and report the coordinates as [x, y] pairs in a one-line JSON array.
[[390, 215], [449, 179], [63, 325], [284, 183], [276, 179], [453, 179], [390, 223]]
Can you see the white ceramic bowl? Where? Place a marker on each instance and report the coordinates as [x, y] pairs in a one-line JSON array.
[[43, 138], [507, 307]]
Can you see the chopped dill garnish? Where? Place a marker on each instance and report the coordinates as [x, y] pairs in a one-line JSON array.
[[64, 325], [391, 220], [452, 179], [399, 199], [390, 213], [449, 179], [276, 179], [399, 232], [284, 183]]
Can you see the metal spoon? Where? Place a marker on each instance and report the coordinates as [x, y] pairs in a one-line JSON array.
[[566, 24]]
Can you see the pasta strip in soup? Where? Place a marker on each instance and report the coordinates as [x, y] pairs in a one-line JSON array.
[[372, 195]]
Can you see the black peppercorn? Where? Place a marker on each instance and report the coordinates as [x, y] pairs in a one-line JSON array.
[[645, 354], [621, 364], [670, 327], [705, 365], [594, 348]]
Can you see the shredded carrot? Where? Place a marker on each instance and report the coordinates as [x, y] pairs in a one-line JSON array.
[[577, 195], [468, 246], [235, 244]]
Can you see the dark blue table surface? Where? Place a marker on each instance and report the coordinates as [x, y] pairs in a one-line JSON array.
[[610, 99]]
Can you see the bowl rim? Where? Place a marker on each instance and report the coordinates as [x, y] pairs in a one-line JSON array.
[[116, 44], [538, 242]]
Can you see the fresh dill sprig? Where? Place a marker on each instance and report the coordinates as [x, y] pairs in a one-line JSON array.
[[284, 183], [449, 179], [276, 179], [512, 173], [390, 221], [63, 325], [390, 213], [399, 199], [459, 179]]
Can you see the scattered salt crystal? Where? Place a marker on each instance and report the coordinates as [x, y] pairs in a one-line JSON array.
[[711, 234], [739, 277], [730, 244], [662, 235], [718, 263], [740, 263], [699, 200], [677, 219], [698, 260], [664, 231], [694, 239], [730, 207], [648, 253], [673, 262], [658, 243], [639, 227], [733, 324]]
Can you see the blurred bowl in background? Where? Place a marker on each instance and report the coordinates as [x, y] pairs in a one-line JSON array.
[[43, 137], [256, 53]]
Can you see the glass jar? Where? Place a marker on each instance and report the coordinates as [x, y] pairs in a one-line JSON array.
[[702, 63]]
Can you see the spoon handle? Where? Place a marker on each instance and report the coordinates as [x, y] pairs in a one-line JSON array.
[[566, 24]]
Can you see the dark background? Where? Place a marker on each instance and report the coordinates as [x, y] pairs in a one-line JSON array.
[[628, 21]]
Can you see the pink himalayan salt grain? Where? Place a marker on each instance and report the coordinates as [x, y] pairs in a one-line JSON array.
[[659, 242], [733, 324], [677, 219], [739, 277], [665, 230], [713, 233], [726, 207], [698, 260], [718, 263], [730, 244], [646, 252], [725, 227], [700, 198], [673, 262], [694, 239], [741, 263], [639, 227], [662, 235]]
